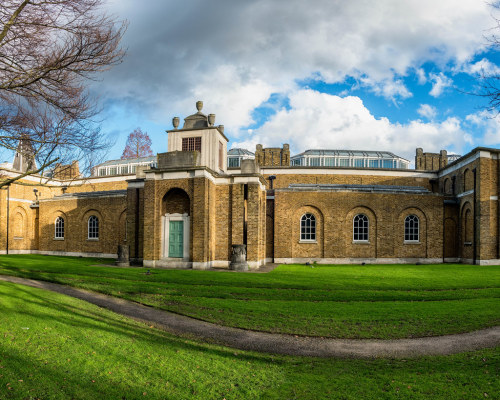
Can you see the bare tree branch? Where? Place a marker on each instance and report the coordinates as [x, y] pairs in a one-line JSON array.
[[49, 49]]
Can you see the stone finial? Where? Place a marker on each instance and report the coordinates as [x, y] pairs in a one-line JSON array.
[[199, 105], [175, 122], [211, 119], [221, 128]]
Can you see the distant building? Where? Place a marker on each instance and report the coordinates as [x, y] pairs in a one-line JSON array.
[[234, 157], [349, 158], [126, 166]]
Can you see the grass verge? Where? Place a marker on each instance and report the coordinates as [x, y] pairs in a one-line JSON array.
[[375, 301], [56, 347]]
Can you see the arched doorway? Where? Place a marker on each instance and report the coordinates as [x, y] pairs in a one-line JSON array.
[[175, 224]]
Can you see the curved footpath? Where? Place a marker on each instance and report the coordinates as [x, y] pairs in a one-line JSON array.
[[277, 343]]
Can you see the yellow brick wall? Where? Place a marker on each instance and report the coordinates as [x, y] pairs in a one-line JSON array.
[[334, 212], [111, 212], [284, 180]]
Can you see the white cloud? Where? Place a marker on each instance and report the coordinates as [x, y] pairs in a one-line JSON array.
[[427, 111], [488, 123], [319, 120], [422, 79], [233, 55], [482, 67], [440, 82], [388, 88]]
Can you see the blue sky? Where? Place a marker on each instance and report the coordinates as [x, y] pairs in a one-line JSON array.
[[385, 75]]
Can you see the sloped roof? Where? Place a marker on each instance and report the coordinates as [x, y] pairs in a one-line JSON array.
[[357, 188], [239, 152], [126, 161], [349, 153]]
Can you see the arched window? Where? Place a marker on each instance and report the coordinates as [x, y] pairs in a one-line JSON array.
[[59, 228], [360, 228], [468, 227], [446, 186], [18, 226], [412, 229], [93, 227], [308, 227], [468, 180]]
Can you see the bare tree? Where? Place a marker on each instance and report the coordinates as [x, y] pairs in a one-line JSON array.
[[489, 82], [138, 145], [49, 49]]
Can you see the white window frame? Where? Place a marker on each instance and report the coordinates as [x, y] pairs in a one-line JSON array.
[[411, 230], [356, 228], [165, 220], [312, 228], [93, 229], [58, 229]]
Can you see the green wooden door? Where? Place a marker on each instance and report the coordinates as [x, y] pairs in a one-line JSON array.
[[176, 239]]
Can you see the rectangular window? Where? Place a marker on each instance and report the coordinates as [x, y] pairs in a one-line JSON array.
[[343, 162], [387, 164], [329, 162], [314, 162], [191, 144], [373, 164], [221, 155], [124, 169], [102, 171], [359, 162], [233, 162], [112, 171], [133, 168]]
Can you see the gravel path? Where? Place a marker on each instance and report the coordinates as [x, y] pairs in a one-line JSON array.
[[278, 343]]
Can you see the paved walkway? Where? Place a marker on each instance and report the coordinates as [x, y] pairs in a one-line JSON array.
[[277, 343]]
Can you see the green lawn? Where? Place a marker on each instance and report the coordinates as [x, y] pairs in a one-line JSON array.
[[56, 347], [373, 301]]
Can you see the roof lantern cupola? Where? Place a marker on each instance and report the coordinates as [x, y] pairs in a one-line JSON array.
[[199, 133]]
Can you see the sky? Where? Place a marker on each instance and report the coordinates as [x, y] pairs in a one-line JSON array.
[[367, 75]]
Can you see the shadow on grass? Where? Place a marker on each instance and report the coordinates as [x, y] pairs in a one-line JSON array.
[[88, 316]]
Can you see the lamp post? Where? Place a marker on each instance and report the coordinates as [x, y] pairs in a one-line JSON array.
[[8, 196]]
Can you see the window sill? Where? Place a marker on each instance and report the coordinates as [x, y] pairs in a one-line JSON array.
[[308, 241], [360, 242], [18, 238], [411, 242], [93, 239], [58, 238]]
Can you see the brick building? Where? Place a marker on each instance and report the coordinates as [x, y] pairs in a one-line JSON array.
[[187, 209]]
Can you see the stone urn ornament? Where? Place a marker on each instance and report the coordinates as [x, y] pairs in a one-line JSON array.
[[211, 119], [175, 122], [199, 106]]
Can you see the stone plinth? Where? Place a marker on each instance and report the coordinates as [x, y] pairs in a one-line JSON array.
[[239, 258], [123, 255]]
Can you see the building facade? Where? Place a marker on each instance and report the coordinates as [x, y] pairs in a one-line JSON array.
[[187, 209]]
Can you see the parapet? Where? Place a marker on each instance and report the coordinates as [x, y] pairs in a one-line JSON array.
[[430, 161], [178, 159], [273, 156]]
